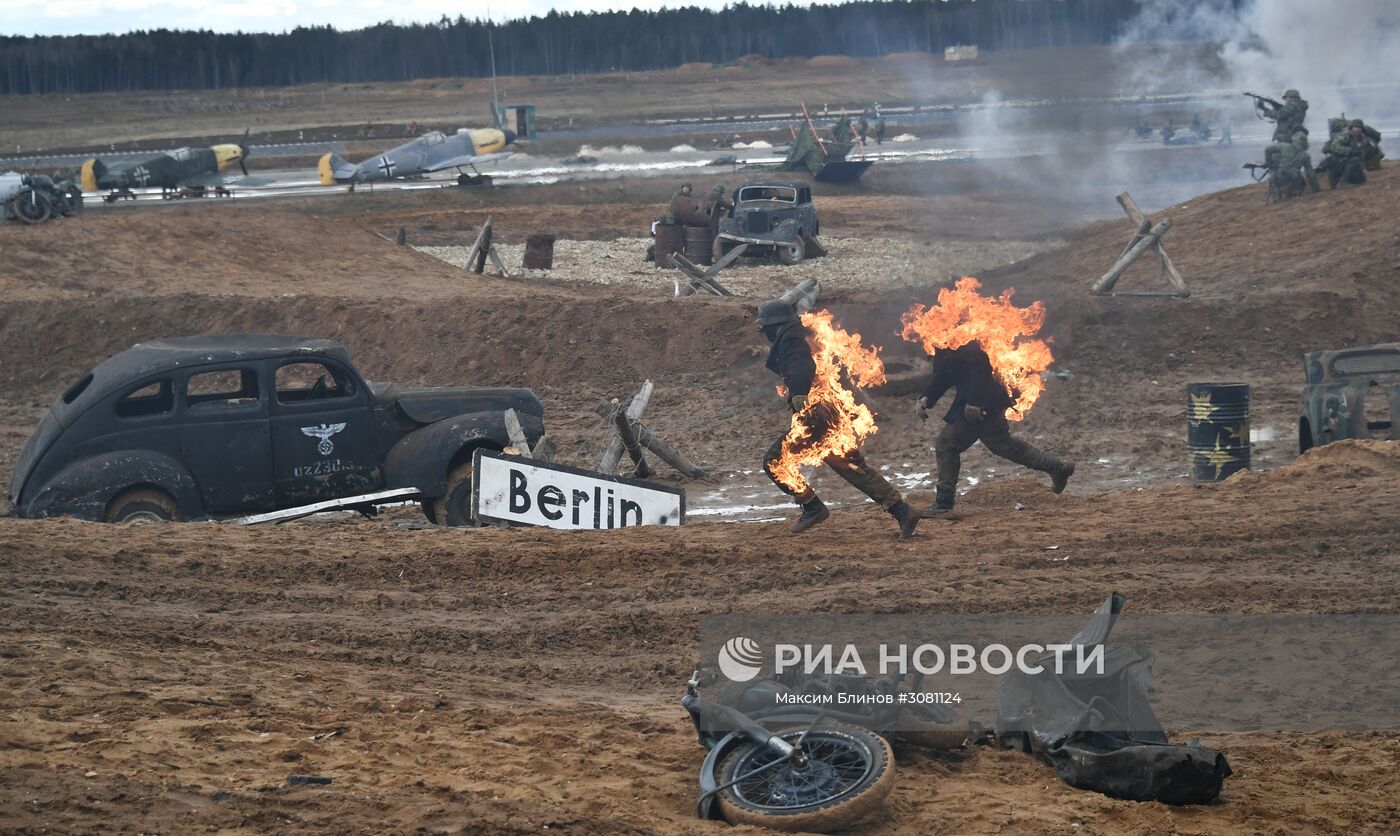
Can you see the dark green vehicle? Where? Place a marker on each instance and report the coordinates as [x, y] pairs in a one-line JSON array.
[[250, 424], [1351, 393]]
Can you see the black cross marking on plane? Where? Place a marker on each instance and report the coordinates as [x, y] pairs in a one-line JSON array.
[[386, 165]]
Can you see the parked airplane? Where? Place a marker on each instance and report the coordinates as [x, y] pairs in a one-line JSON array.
[[433, 151], [183, 168]]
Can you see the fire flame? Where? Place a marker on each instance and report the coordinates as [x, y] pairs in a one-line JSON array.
[[963, 315], [833, 423]]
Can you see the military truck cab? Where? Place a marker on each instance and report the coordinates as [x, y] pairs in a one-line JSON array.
[[1350, 393]]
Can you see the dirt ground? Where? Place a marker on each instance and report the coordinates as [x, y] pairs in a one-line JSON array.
[[170, 678]]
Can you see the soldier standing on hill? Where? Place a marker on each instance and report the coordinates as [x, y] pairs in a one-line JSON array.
[[1288, 118], [791, 359], [978, 413]]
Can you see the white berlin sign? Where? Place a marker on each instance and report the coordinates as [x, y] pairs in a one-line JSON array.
[[528, 492]]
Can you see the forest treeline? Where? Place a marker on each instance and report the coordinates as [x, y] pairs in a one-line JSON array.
[[555, 44]]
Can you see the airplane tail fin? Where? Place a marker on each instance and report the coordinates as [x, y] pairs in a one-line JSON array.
[[92, 171], [334, 169]]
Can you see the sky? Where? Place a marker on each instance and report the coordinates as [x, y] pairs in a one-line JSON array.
[[91, 17]]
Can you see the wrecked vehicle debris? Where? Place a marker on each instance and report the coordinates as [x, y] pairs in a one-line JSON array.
[[771, 216], [781, 757], [200, 427], [1098, 729], [1351, 393]]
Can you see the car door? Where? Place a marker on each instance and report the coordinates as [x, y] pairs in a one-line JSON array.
[[323, 433], [226, 436]]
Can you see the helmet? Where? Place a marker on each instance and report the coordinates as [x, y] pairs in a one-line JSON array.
[[1291, 94], [1356, 123], [775, 312], [718, 190], [686, 186]]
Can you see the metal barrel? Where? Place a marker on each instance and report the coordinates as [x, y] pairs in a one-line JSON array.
[[670, 238], [1217, 429], [699, 243], [539, 252]]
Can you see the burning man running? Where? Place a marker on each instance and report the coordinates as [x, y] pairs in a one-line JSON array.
[[978, 413], [791, 359]]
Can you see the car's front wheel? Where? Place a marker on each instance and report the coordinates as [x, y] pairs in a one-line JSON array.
[[454, 507], [142, 505], [793, 253]]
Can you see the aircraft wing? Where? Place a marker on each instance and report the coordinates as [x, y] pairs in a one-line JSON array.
[[466, 159], [209, 181]]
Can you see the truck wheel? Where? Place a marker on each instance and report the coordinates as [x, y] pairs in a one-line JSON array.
[[791, 254], [454, 507], [142, 505]]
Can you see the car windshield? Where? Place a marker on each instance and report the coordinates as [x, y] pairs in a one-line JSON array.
[[779, 193]]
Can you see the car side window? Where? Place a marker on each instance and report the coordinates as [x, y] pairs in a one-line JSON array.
[[220, 390], [305, 381], [154, 398]]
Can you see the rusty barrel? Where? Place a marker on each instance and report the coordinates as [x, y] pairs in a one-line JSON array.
[[699, 244], [1217, 429], [539, 252], [670, 238], [694, 211]]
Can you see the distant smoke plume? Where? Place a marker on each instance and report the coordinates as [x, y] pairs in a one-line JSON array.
[[1331, 51]]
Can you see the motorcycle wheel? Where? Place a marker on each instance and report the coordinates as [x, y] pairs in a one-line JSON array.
[[849, 772]]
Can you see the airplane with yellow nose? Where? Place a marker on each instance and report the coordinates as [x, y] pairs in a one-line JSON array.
[[433, 151], [183, 168]]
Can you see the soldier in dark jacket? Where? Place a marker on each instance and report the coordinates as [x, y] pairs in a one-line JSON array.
[[978, 413], [791, 359], [672, 214]]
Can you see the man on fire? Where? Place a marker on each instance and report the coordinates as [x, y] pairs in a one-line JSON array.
[[791, 359], [978, 413]]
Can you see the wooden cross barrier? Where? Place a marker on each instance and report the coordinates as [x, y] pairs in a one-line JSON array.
[[1147, 237]]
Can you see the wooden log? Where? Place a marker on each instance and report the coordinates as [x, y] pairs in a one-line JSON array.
[[726, 260], [699, 279], [496, 260], [545, 449], [667, 453], [1106, 283], [630, 444], [516, 433], [479, 265], [613, 454], [476, 245], [803, 295]]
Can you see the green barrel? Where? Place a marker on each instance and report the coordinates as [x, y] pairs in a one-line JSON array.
[[1217, 429]]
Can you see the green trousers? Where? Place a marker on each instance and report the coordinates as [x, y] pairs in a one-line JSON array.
[[852, 467], [995, 434]]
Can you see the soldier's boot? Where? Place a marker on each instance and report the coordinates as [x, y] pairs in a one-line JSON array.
[[1060, 470], [942, 504], [907, 518], [813, 512]]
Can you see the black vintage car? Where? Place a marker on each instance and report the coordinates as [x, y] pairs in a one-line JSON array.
[[771, 217], [199, 427]]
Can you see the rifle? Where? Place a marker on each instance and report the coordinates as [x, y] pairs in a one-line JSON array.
[[1258, 100], [1254, 170]]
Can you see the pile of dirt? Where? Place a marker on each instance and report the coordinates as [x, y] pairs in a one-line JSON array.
[[512, 679], [694, 67], [833, 61]]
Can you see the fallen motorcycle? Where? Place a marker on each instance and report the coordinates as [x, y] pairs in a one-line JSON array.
[[782, 757]]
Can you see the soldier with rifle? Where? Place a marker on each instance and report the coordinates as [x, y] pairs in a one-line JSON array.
[[1345, 155], [1287, 115], [1288, 167]]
